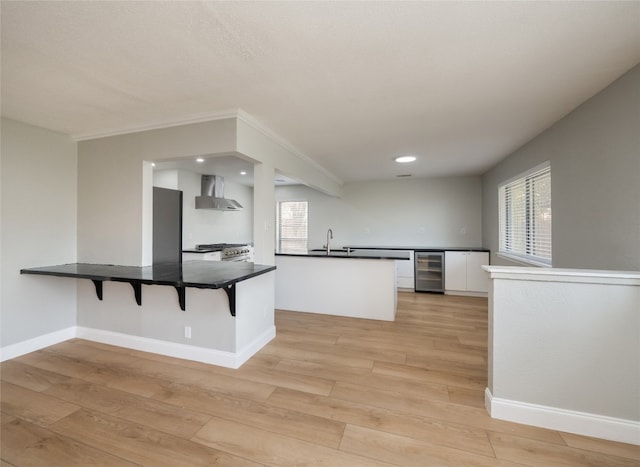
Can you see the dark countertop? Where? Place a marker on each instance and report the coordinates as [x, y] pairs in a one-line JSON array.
[[418, 248], [200, 274], [354, 254]]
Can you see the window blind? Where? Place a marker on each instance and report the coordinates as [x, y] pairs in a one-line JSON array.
[[292, 222], [525, 216]]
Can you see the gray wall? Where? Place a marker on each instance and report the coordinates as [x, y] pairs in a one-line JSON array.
[[38, 188], [115, 181], [595, 181], [409, 212]]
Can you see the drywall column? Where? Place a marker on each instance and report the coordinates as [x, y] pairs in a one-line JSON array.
[[564, 350], [264, 236]]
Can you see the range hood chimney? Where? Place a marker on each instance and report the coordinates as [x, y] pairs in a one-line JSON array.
[[212, 195]]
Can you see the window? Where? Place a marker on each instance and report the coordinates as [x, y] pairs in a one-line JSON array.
[[525, 216], [291, 225]]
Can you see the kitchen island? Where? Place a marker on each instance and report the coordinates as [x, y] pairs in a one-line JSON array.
[[359, 284], [220, 328]]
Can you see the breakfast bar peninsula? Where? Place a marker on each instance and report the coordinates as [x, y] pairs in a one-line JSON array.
[[203, 324]]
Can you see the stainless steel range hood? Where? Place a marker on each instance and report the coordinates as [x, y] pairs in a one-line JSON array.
[[212, 195]]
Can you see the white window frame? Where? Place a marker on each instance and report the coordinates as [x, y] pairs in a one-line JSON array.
[[531, 229], [303, 239]]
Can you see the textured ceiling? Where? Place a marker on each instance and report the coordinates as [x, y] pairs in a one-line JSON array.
[[350, 85]]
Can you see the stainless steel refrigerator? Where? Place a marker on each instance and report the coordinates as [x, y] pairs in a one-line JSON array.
[[167, 225]]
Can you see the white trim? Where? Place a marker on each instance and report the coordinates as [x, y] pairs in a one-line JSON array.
[[253, 347], [584, 276], [518, 256], [526, 173], [581, 423], [466, 293], [31, 345], [256, 125], [173, 349], [184, 120]]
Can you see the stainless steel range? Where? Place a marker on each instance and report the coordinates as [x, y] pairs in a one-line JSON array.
[[230, 251]]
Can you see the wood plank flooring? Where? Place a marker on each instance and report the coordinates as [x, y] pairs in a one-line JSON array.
[[327, 391]]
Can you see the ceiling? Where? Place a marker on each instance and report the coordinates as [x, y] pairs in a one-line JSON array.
[[232, 168], [460, 85]]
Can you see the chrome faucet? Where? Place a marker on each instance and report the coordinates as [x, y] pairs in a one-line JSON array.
[[329, 237]]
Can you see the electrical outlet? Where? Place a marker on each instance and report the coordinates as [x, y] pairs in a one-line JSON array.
[[187, 332]]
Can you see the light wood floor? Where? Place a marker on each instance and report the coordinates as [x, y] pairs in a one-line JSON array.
[[327, 391]]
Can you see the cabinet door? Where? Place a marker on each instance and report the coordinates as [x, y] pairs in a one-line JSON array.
[[404, 272], [455, 270], [405, 268], [477, 278]]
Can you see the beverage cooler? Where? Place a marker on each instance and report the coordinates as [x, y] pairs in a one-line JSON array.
[[429, 271]]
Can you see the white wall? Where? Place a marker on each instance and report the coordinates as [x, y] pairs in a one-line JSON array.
[[418, 212], [166, 179], [210, 226], [595, 181], [38, 196], [207, 225]]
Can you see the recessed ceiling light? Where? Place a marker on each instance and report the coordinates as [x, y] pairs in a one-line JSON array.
[[199, 159], [404, 159], [153, 164], [243, 173]]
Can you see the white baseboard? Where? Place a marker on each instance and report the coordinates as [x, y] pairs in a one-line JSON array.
[[463, 293], [31, 345], [253, 347], [581, 423], [173, 349]]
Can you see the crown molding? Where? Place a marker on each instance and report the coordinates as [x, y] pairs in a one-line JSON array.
[[185, 120], [256, 125]]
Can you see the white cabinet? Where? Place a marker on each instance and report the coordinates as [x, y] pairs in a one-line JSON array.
[[477, 278], [463, 274], [210, 256], [404, 272]]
